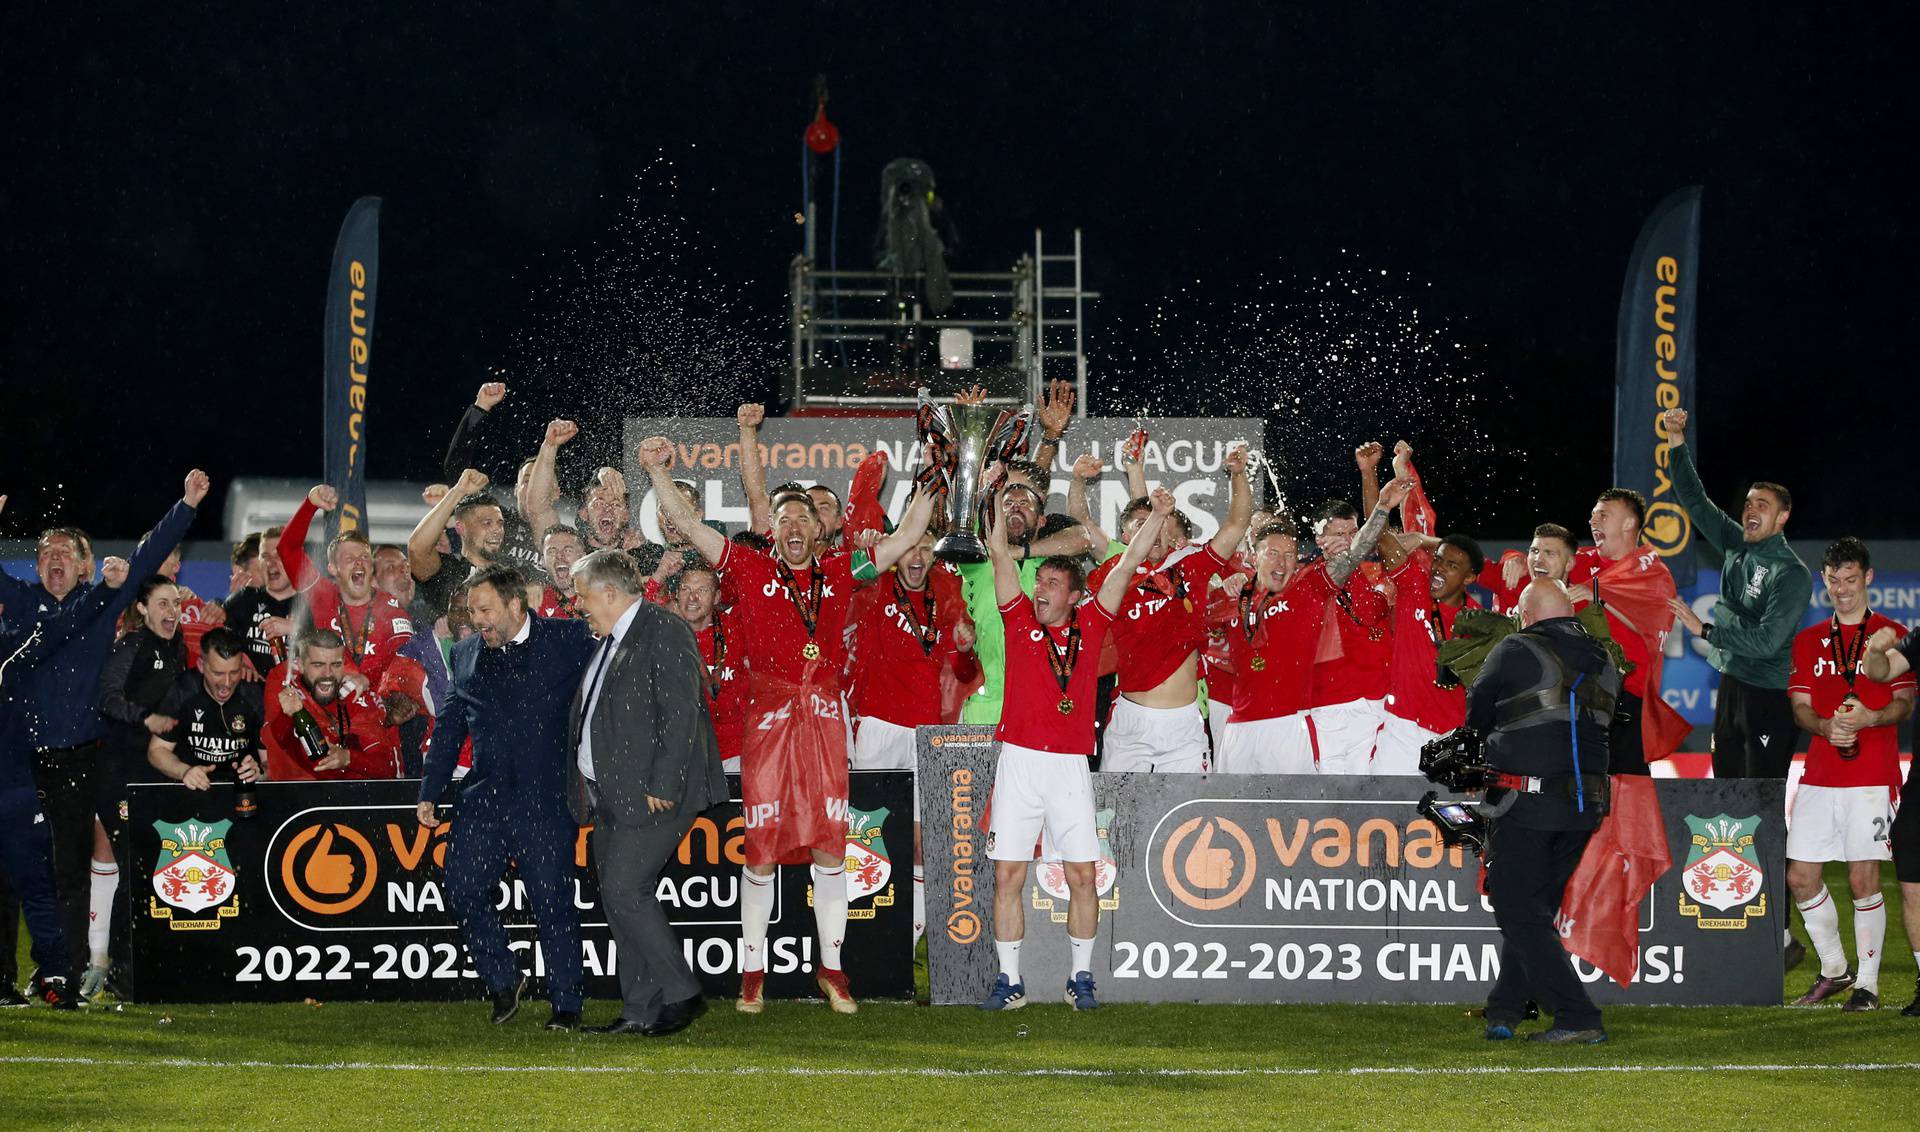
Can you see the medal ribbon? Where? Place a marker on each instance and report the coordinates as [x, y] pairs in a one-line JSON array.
[[1847, 660], [808, 609], [924, 633], [1062, 659]]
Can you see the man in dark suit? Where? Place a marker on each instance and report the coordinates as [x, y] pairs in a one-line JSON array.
[[513, 684], [646, 764]]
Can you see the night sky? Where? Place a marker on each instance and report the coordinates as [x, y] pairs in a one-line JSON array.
[[175, 179]]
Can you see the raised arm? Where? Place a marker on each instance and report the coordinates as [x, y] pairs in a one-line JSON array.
[[1133, 463], [293, 537], [1341, 566], [1720, 530], [1114, 589], [167, 533], [423, 545], [1006, 576], [1367, 458], [542, 488], [1056, 416], [906, 536], [753, 477], [1086, 473], [1883, 659], [1239, 505], [466, 434], [656, 456]]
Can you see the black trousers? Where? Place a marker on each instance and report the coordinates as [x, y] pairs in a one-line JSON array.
[[1753, 731], [1626, 753], [1527, 871], [70, 798]]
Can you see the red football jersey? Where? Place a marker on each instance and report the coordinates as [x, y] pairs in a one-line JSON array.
[[773, 638], [1032, 717], [1162, 618], [1587, 563], [1419, 625], [726, 682], [357, 722], [1273, 637], [896, 671], [1821, 654], [554, 604], [1355, 651]]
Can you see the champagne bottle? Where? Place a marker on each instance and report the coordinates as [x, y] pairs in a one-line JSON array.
[[312, 740], [246, 801]]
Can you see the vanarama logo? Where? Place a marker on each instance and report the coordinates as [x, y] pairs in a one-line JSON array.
[[1308, 862], [963, 917], [1668, 531], [328, 868], [193, 874]]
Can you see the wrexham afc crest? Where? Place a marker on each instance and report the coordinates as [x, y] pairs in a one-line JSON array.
[[193, 874], [1723, 873]]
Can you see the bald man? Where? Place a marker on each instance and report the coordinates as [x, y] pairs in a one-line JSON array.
[[1544, 700]]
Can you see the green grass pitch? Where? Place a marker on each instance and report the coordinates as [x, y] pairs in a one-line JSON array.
[[349, 1065]]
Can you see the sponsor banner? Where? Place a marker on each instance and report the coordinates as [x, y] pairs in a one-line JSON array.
[[1653, 368], [1183, 454], [1690, 684], [348, 344], [1222, 888], [335, 892]]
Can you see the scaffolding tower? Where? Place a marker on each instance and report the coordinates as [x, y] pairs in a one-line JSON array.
[[861, 341]]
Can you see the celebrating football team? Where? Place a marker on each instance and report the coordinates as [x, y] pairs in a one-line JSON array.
[[518, 645]]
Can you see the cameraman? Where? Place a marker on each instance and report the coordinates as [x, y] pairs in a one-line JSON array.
[[1544, 700]]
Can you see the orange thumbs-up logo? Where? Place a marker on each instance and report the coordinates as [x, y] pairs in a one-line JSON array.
[[321, 865], [1206, 867]]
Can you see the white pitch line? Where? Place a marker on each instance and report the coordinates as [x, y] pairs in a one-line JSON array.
[[910, 1071]]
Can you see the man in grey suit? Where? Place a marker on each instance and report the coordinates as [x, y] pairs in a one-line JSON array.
[[646, 765]]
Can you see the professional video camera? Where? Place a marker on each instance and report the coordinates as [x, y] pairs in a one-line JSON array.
[[1454, 761], [1459, 823]]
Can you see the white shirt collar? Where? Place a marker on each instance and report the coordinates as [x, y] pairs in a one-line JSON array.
[[625, 622], [526, 630]]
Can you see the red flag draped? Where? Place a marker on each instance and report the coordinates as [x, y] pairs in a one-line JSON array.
[[1637, 589], [865, 512], [1417, 515], [1599, 918]]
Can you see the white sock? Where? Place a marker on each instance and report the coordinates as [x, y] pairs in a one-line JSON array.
[[830, 912], [1869, 936], [919, 903], [1009, 950], [106, 880], [1823, 929], [756, 911], [1082, 954]]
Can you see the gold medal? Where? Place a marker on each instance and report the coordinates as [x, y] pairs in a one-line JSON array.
[[811, 651], [1066, 705], [1258, 663]]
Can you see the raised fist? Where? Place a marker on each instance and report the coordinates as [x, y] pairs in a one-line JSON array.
[[1089, 467], [1368, 455], [471, 480], [1675, 422], [323, 497], [113, 571], [1232, 584], [1162, 501], [1236, 461], [434, 493], [750, 416], [491, 394], [559, 432], [656, 452], [197, 487]]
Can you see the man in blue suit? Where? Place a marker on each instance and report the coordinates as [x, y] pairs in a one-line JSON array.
[[513, 687]]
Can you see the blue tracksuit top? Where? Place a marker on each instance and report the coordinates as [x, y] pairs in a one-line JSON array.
[[62, 693]]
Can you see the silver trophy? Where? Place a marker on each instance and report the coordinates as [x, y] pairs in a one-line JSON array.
[[964, 439]]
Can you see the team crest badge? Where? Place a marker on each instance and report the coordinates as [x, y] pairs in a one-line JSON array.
[[193, 874], [869, 866], [1723, 873], [1051, 893]]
